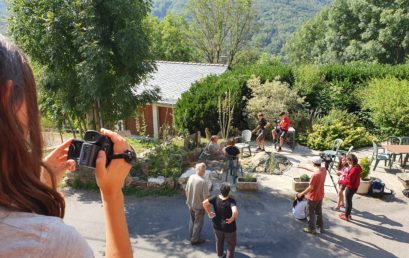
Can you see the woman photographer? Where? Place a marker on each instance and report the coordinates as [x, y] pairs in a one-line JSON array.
[[31, 209]]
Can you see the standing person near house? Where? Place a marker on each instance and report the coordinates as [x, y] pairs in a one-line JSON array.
[[223, 216], [281, 129], [260, 131], [315, 195], [31, 208], [343, 169], [352, 181], [196, 192]]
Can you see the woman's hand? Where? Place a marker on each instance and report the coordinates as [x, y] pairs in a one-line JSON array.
[[230, 220], [58, 163], [111, 179]]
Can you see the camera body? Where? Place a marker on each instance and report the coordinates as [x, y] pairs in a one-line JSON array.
[[327, 159], [85, 152]]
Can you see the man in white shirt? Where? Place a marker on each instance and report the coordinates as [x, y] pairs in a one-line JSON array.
[[196, 192]]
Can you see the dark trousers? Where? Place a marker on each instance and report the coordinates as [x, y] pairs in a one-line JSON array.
[[315, 215], [196, 224], [349, 193], [231, 239]]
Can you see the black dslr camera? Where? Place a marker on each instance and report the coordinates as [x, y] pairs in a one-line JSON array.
[[85, 152]]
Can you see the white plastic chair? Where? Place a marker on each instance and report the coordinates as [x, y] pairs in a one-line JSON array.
[[246, 139]]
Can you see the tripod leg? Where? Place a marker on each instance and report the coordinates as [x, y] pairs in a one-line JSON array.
[[330, 175]]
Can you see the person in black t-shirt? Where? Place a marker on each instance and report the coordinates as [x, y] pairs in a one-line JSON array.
[[223, 216], [260, 131], [231, 150]]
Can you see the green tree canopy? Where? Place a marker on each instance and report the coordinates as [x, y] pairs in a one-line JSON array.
[[354, 31], [221, 27], [388, 100], [170, 38], [94, 52]]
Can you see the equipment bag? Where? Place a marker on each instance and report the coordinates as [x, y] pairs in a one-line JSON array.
[[377, 188]]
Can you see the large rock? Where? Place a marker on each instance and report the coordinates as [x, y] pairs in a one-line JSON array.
[[256, 160], [156, 182], [138, 183], [209, 175]]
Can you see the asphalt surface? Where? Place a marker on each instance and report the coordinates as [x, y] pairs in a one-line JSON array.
[[265, 227]]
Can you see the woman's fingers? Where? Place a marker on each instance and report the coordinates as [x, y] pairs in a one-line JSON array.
[[120, 144], [70, 165], [64, 145]]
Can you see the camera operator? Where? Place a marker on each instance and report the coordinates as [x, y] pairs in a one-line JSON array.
[[31, 208], [315, 195], [281, 129]]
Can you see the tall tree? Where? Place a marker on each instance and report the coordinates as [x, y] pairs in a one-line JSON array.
[[170, 38], [349, 31], [94, 52], [221, 27]]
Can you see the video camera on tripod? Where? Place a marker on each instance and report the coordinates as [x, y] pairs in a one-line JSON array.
[[327, 159]]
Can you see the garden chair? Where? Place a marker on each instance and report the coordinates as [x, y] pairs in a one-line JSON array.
[[335, 148], [337, 158], [376, 156], [246, 139], [404, 140], [205, 154]]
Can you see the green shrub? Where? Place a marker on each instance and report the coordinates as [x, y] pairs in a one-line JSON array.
[[305, 178], [271, 98], [338, 124], [249, 178], [388, 100], [165, 160], [197, 108], [365, 165]]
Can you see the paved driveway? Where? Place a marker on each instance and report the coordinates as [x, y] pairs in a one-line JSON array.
[[266, 227]]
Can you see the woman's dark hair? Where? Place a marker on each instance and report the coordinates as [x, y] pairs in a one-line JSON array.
[[281, 114], [353, 158], [21, 145], [231, 141], [340, 165], [225, 189]]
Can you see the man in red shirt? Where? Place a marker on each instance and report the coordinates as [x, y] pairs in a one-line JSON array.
[[281, 129], [315, 195]]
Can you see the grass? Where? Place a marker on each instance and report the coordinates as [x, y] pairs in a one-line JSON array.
[[139, 145]]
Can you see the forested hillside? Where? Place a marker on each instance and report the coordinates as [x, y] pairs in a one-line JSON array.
[[278, 18], [3, 12]]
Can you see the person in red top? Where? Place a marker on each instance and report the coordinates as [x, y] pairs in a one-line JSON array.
[[351, 181], [315, 195], [281, 129]]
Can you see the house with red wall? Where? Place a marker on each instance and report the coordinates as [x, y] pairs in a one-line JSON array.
[[172, 79]]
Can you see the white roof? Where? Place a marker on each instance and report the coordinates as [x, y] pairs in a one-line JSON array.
[[174, 78]]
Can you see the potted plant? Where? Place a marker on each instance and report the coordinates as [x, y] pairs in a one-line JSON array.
[[301, 183], [247, 183], [366, 181]]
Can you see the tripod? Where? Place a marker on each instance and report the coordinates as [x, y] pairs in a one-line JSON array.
[[329, 163]]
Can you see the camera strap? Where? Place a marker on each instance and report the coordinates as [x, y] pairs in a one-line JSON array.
[[128, 155]]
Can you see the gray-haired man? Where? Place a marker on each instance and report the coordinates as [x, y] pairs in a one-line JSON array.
[[196, 192]]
